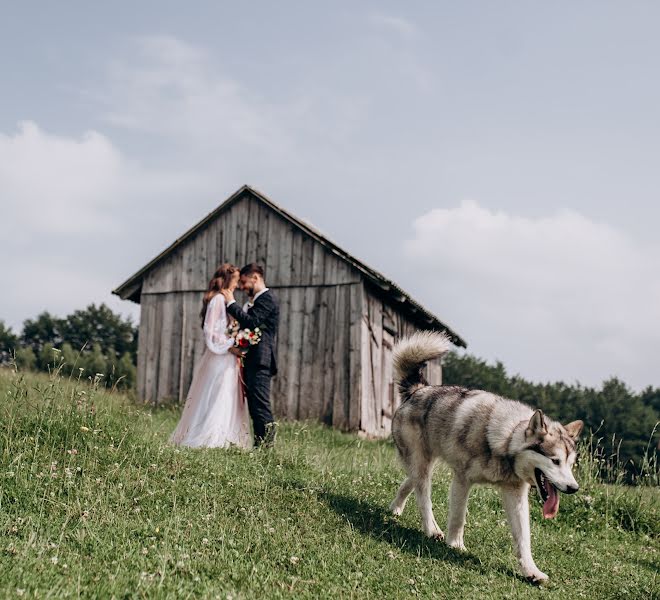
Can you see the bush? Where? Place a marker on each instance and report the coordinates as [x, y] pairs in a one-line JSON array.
[[25, 358], [94, 362], [8, 343]]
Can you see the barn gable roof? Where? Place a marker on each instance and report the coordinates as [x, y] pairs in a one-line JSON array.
[[130, 289]]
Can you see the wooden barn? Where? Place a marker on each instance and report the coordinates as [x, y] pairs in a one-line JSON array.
[[339, 318]]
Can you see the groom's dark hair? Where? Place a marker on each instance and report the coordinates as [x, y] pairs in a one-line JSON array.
[[251, 269]]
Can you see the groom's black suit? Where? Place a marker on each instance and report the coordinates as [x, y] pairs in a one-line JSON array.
[[260, 362]]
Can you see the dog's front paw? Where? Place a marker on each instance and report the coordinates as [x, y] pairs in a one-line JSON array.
[[456, 544], [436, 535], [536, 577], [396, 510]]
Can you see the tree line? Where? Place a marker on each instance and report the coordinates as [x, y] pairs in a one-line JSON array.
[[92, 343]]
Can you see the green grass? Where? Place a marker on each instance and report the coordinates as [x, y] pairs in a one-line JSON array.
[[94, 503]]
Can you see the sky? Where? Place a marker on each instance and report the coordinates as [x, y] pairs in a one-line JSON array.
[[499, 161]]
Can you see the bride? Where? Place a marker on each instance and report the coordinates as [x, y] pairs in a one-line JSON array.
[[215, 414]]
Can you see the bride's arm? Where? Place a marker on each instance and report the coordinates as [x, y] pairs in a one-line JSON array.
[[215, 327]]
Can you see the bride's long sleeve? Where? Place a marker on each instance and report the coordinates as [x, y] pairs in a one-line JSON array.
[[215, 327]]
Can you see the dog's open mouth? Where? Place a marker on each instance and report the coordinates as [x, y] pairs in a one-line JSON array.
[[549, 494]]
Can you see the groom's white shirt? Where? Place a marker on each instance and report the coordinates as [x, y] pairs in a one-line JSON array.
[[250, 304]]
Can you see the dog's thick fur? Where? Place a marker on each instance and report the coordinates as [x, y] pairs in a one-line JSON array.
[[484, 439]]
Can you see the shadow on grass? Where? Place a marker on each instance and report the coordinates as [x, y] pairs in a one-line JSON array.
[[378, 523]]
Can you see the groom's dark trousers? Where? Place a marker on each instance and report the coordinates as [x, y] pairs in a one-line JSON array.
[[260, 363], [257, 387]]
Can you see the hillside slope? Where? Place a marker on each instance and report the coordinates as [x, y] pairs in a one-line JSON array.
[[94, 504]]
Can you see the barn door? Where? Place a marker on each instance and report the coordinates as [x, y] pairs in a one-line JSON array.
[[387, 383]]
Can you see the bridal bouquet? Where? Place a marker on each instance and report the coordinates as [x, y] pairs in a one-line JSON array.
[[247, 337], [243, 338]]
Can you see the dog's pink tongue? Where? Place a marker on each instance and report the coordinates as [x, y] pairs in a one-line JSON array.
[[551, 505]]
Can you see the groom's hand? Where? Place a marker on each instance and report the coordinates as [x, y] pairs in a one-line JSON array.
[[229, 295]]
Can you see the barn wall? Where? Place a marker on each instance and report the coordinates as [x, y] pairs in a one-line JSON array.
[[319, 344], [382, 326], [319, 355]]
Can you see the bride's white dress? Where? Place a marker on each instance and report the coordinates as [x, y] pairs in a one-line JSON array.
[[215, 414]]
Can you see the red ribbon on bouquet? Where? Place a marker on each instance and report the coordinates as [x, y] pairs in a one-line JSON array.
[[241, 379]]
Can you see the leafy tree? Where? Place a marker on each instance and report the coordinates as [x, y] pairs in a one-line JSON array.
[[651, 397], [26, 359], [94, 362], [8, 343], [124, 372], [45, 329], [48, 358], [99, 325], [70, 357]]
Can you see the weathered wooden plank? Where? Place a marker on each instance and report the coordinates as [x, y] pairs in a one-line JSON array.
[[318, 264], [329, 341], [220, 241], [371, 359], [390, 396], [204, 267], [192, 305], [242, 210], [174, 358], [187, 266], [353, 401], [330, 268], [295, 270], [377, 359], [262, 243], [308, 406], [273, 251], [342, 360], [165, 347], [230, 237], [294, 351], [146, 327], [281, 386], [345, 272], [306, 260], [286, 239], [252, 233], [315, 340], [153, 353], [434, 372]]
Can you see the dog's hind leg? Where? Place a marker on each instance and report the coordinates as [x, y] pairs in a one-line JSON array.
[[399, 503], [516, 504], [458, 499], [423, 475]]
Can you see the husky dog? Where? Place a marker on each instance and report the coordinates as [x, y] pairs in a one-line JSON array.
[[484, 439]]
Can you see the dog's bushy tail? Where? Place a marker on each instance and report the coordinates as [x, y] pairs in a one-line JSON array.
[[411, 355]]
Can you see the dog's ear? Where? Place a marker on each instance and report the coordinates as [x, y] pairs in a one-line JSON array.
[[574, 429], [536, 426]]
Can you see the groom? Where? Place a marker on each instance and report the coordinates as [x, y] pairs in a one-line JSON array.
[[260, 363]]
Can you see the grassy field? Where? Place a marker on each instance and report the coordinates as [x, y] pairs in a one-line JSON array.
[[95, 504]]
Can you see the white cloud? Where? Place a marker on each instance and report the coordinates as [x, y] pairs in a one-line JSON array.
[[74, 208], [57, 185], [555, 297], [172, 88], [398, 25], [53, 183]]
